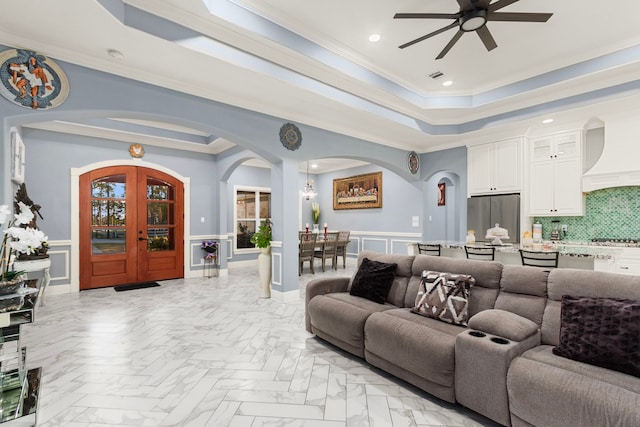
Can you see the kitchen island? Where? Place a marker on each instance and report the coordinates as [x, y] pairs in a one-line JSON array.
[[580, 255]]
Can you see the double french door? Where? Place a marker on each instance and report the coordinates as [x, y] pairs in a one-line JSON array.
[[131, 226]]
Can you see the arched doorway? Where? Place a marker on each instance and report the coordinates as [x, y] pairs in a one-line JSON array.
[[131, 226]]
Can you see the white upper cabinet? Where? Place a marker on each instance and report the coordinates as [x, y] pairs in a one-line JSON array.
[[556, 175], [495, 168]]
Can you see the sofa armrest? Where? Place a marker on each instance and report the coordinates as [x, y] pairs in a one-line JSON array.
[[322, 286], [503, 324]]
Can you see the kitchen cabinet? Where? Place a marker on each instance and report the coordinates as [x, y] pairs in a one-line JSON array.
[[555, 183], [495, 168], [628, 262]]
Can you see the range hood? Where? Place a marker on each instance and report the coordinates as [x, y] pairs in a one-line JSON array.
[[619, 163]]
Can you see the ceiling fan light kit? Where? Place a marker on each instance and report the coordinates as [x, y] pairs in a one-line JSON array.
[[473, 16], [473, 20]]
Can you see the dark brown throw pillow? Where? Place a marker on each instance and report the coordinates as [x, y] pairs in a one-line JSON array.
[[444, 296], [373, 280], [603, 332]]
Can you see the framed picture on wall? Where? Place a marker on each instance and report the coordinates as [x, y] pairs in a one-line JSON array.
[[442, 194], [17, 157], [358, 192]]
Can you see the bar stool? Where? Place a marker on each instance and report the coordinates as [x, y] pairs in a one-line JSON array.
[[539, 259], [432, 249], [484, 253]]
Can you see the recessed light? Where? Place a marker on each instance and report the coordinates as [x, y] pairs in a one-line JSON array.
[[374, 38], [447, 83], [314, 165], [547, 121]]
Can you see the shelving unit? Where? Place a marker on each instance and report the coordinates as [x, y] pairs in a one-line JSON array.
[[19, 386]]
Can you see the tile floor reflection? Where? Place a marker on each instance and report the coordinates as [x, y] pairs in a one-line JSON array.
[[209, 352]]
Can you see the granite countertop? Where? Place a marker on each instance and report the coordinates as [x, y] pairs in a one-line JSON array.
[[565, 248]]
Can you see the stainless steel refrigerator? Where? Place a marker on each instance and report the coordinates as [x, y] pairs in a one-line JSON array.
[[484, 212]]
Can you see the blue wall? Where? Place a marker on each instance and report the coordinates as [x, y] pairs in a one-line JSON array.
[[95, 95], [51, 155]]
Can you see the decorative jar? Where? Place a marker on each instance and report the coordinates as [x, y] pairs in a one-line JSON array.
[[471, 237]]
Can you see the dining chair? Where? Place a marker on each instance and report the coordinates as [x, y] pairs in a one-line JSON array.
[[306, 250], [484, 253], [341, 249], [328, 250], [432, 249], [539, 259]]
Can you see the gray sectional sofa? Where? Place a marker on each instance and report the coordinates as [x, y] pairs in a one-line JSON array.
[[502, 365]]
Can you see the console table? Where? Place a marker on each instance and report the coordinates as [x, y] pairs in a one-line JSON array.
[[36, 269], [19, 386]]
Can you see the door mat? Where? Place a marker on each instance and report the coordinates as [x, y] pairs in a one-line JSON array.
[[132, 286]]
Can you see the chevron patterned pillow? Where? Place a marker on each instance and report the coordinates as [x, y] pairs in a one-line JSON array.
[[444, 296]]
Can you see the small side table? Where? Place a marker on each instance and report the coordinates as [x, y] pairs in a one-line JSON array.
[[31, 268], [210, 263]]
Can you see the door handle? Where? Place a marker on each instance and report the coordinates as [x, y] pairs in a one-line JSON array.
[[142, 238]]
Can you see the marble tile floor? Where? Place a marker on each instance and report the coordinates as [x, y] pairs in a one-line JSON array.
[[209, 352]]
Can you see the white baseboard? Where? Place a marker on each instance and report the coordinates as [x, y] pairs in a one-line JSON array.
[[289, 296], [245, 263], [57, 290], [194, 274]]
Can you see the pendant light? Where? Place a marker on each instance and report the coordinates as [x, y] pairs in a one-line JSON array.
[[309, 192]]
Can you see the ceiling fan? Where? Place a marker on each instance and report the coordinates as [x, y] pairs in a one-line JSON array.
[[473, 16]]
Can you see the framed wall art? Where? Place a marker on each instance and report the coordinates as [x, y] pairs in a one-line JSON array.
[[17, 157], [32, 80], [358, 192], [442, 194]]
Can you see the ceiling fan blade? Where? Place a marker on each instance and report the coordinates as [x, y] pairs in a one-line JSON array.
[[449, 45], [486, 37], [419, 39], [500, 4], [426, 16], [465, 5], [519, 17]]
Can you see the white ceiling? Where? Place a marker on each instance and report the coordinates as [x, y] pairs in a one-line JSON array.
[[317, 53]]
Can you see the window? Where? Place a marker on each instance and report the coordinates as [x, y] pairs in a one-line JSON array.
[[253, 205]]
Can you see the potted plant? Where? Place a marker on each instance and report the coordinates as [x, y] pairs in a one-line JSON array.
[[262, 239], [18, 239], [210, 248], [315, 214]]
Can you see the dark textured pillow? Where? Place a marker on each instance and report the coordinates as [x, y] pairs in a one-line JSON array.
[[373, 280], [444, 296], [601, 331]]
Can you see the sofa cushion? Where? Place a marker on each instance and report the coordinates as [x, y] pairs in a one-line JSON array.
[[548, 390], [342, 316], [373, 280], [523, 291], [601, 331], [444, 296], [585, 283], [420, 345]]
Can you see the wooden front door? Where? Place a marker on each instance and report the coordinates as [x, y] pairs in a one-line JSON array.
[[131, 226]]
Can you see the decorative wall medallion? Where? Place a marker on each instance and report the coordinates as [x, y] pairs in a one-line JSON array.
[[32, 80], [136, 150], [413, 162], [290, 136]]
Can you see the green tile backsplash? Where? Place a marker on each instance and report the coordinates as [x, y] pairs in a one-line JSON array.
[[610, 213]]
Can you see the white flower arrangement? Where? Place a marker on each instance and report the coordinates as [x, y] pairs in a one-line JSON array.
[[18, 238]]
